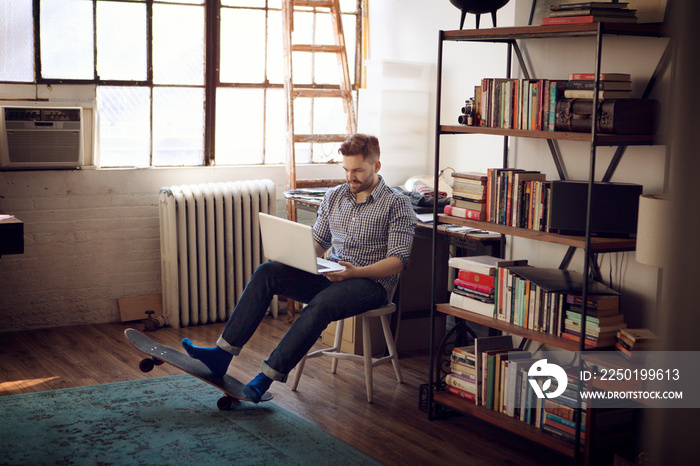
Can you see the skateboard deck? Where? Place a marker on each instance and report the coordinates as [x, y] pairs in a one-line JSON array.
[[232, 388]]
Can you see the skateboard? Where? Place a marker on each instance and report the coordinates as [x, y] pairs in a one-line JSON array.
[[232, 388]]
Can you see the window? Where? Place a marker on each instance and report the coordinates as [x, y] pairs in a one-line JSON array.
[[174, 87]]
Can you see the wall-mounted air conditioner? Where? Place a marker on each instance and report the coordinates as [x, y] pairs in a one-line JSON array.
[[42, 135]]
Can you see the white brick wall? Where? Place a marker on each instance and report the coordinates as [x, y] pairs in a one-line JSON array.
[[91, 237]]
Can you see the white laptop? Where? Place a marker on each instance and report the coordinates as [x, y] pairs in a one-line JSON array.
[[292, 244]]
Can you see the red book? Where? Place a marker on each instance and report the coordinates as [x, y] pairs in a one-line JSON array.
[[586, 19], [603, 77], [465, 213], [479, 278], [461, 393], [474, 286]]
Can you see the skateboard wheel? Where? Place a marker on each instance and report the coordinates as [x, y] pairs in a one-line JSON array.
[[158, 362], [146, 365], [225, 403]]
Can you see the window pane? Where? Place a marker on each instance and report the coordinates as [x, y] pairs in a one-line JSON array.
[[239, 126], [16, 41], [178, 126], [275, 49], [125, 135], [191, 2], [67, 39], [178, 44], [326, 153], [275, 127], [329, 116], [121, 41], [350, 35], [242, 46], [253, 3]]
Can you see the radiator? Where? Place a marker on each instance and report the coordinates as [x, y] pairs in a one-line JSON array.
[[210, 246]]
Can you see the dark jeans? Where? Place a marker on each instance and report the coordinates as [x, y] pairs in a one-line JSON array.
[[327, 302]]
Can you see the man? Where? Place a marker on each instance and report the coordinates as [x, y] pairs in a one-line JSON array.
[[369, 230]]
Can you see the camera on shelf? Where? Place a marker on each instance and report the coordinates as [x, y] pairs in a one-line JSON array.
[[468, 113]]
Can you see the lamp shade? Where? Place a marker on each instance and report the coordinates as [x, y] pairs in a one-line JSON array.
[[652, 229]]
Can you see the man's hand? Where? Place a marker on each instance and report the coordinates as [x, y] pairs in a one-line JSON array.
[[349, 272], [383, 268]]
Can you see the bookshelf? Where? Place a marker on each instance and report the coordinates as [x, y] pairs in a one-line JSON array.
[[510, 37]]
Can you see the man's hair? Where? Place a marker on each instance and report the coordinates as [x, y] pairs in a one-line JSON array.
[[361, 144]]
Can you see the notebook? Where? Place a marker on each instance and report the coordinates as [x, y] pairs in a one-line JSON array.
[[292, 244]]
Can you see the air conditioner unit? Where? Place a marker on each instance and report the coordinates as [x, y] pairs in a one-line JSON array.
[[43, 136]]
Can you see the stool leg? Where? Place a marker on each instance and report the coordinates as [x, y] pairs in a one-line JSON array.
[[339, 325], [367, 353], [297, 373], [391, 346]]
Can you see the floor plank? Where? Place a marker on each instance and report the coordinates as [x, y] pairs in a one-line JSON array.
[[392, 429]]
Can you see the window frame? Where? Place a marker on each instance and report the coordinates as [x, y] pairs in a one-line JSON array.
[[212, 59]]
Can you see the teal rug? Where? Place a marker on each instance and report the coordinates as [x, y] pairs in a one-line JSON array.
[[167, 420]]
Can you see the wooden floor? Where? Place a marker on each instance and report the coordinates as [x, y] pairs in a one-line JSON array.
[[392, 429]]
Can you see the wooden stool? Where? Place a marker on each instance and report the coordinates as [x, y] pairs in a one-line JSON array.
[[383, 313]]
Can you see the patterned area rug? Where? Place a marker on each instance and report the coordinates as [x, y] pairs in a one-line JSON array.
[[167, 420]]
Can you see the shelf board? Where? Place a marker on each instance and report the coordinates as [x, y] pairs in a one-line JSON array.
[[505, 34], [597, 244], [492, 322], [602, 139], [505, 422]]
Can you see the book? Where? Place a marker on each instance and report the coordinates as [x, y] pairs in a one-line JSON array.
[[478, 278], [596, 302], [473, 176], [639, 334], [481, 345], [483, 264], [636, 339], [590, 341], [478, 205], [561, 281], [460, 212], [588, 94], [575, 315], [602, 77], [586, 19], [465, 351], [575, 6], [470, 304], [459, 382], [618, 12], [474, 286], [460, 393], [593, 330], [489, 375], [602, 85]]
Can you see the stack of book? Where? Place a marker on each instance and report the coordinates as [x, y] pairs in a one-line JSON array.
[[559, 416], [590, 12], [521, 301], [603, 320], [462, 379], [518, 198], [475, 282], [526, 104], [610, 86], [468, 196], [636, 339], [546, 300]]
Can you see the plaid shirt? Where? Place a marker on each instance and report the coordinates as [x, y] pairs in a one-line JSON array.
[[382, 226]]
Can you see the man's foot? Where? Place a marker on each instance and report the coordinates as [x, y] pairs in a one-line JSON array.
[[216, 359], [257, 387]]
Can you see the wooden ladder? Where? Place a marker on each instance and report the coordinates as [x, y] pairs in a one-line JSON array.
[[341, 91]]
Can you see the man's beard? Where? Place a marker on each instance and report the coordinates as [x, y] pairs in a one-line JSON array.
[[364, 185]]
